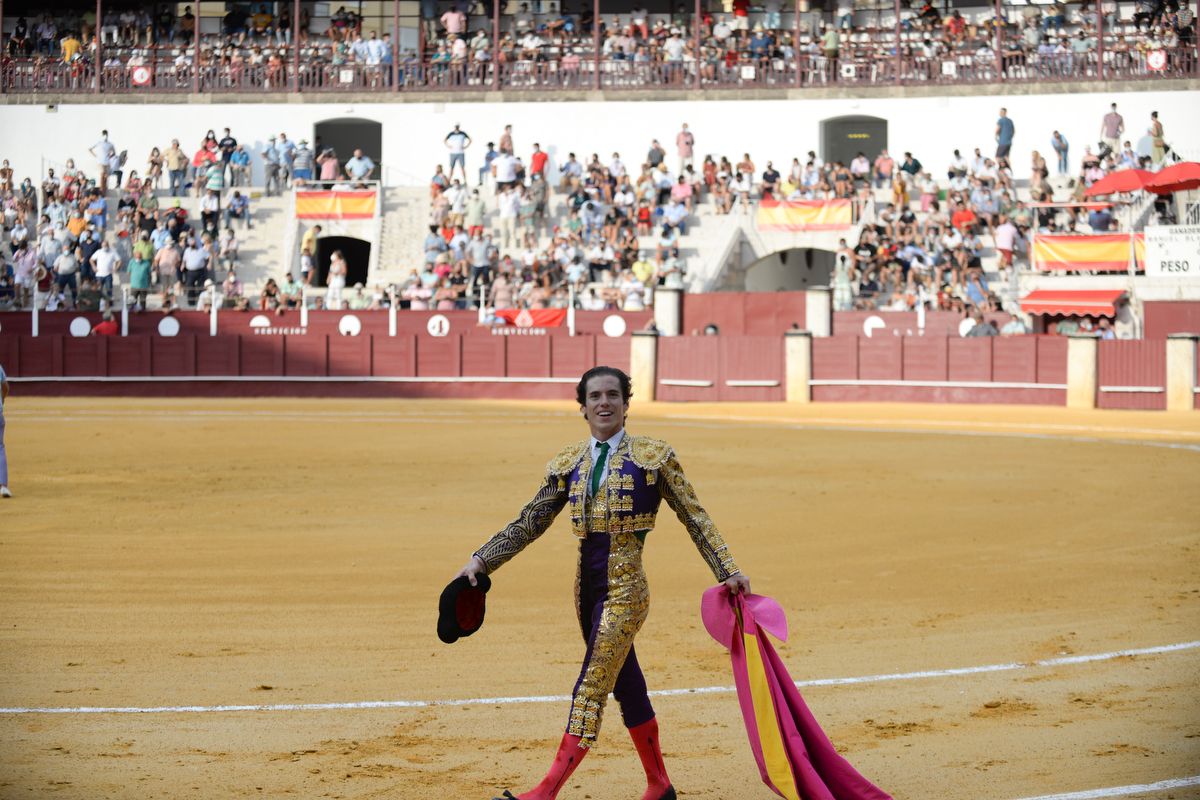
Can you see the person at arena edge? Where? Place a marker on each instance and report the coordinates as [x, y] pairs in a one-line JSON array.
[[4, 491], [613, 483]]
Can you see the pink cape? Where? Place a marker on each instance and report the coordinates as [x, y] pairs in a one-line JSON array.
[[795, 757]]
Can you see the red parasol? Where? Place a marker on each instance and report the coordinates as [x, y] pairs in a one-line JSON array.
[[1126, 180], [1181, 177]]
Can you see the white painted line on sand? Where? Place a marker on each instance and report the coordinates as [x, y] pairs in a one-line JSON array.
[[493, 701], [1122, 791]]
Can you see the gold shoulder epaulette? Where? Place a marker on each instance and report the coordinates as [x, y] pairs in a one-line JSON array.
[[566, 459], [649, 453]]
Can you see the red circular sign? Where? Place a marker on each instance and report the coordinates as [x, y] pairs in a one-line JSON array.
[[140, 76], [1157, 60]]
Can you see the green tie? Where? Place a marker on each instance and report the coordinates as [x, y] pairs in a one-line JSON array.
[[598, 468]]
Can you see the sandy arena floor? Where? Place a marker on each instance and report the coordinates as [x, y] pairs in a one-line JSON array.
[[213, 553]]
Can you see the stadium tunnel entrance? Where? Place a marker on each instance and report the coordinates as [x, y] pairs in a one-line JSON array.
[[791, 270], [842, 138], [356, 251], [346, 134]]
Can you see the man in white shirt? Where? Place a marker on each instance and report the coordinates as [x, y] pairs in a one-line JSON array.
[[105, 262], [457, 141], [510, 207], [504, 168], [104, 153], [195, 268], [360, 167]]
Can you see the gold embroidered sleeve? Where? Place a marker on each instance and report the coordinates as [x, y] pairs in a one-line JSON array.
[[531, 523], [681, 497]]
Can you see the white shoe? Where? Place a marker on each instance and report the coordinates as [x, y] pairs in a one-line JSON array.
[[4, 492]]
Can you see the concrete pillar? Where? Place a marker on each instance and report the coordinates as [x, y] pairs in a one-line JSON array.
[[668, 311], [1181, 371], [643, 363], [818, 310], [797, 354], [1081, 371]]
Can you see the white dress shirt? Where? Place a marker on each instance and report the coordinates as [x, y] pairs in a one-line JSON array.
[[613, 443]]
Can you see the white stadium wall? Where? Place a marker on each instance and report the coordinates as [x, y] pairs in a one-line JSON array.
[[777, 130]]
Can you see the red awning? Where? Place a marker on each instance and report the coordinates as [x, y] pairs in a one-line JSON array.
[[1096, 302]]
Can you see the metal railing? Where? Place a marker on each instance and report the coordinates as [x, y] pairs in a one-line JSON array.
[[871, 65]]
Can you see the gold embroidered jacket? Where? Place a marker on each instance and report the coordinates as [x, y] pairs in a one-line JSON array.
[[640, 474]]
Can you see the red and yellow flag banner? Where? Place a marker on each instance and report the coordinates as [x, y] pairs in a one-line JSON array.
[[803, 215], [1102, 252], [335, 205]]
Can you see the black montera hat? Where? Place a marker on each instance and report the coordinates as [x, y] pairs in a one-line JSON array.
[[461, 607]]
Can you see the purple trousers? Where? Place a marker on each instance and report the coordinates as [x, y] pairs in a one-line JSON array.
[[3, 456], [596, 589]]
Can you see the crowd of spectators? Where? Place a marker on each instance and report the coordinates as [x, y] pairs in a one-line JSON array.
[[82, 227], [541, 43], [521, 232]]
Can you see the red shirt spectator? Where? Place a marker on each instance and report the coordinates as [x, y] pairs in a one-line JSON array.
[[963, 218], [106, 327], [537, 162]]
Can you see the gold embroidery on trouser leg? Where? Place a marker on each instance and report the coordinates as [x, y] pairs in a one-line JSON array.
[[625, 610]]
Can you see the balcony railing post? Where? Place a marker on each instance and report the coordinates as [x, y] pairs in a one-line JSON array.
[[999, 40], [596, 42], [296, 46], [696, 47], [96, 31], [899, 61], [495, 59], [1100, 39], [796, 43], [4, 73], [395, 45], [195, 47]]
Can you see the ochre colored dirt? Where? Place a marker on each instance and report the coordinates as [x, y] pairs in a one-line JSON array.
[[204, 553]]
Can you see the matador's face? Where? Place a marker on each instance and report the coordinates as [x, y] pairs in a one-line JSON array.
[[604, 406]]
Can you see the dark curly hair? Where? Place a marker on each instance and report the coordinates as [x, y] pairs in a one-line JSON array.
[[581, 387]]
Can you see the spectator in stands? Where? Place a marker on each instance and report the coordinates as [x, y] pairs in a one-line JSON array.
[[457, 142], [1014, 327], [105, 262], [238, 208], [106, 155], [359, 168], [271, 166]]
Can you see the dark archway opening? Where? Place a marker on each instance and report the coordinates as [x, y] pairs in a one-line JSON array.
[[790, 270], [843, 138], [348, 134], [356, 252]]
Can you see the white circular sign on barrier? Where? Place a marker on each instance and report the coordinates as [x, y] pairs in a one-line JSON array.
[[871, 324], [438, 325], [80, 327], [349, 325], [1156, 60], [260, 321], [168, 326], [140, 76], [965, 326], [614, 325]]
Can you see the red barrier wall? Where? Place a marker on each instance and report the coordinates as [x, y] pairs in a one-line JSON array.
[[1126, 366], [1162, 318], [454, 366], [711, 368], [940, 369], [320, 323], [743, 313], [938, 324]]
